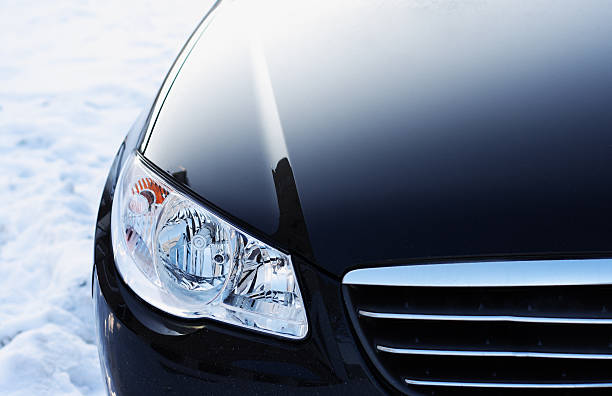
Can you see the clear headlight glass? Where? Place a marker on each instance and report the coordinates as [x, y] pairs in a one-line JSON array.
[[185, 260]]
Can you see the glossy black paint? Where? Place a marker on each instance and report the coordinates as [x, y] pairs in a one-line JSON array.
[[412, 133]]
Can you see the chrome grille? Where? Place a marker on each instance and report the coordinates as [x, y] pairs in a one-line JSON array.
[[498, 334]]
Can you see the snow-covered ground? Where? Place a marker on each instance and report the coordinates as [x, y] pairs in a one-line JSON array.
[[74, 74]]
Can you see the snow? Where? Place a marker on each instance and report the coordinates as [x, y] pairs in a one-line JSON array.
[[74, 75]]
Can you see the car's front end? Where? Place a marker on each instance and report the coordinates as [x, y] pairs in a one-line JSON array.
[[349, 199]]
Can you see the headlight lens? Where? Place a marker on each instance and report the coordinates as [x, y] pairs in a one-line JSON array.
[[185, 260]]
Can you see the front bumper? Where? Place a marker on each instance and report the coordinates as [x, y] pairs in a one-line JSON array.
[[144, 351]]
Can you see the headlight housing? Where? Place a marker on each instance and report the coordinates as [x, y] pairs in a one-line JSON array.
[[185, 260]]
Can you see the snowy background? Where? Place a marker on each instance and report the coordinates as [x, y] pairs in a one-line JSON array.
[[74, 75]]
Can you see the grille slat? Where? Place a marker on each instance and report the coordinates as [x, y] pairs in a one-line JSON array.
[[510, 385], [485, 318], [515, 337], [524, 354]]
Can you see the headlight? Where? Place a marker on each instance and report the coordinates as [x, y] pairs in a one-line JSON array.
[[183, 259]]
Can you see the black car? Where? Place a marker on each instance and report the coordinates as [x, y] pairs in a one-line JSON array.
[[367, 197]]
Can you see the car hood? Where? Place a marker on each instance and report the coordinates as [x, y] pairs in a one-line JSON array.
[[376, 132]]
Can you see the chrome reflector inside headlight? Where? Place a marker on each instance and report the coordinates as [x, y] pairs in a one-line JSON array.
[[183, 259]]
